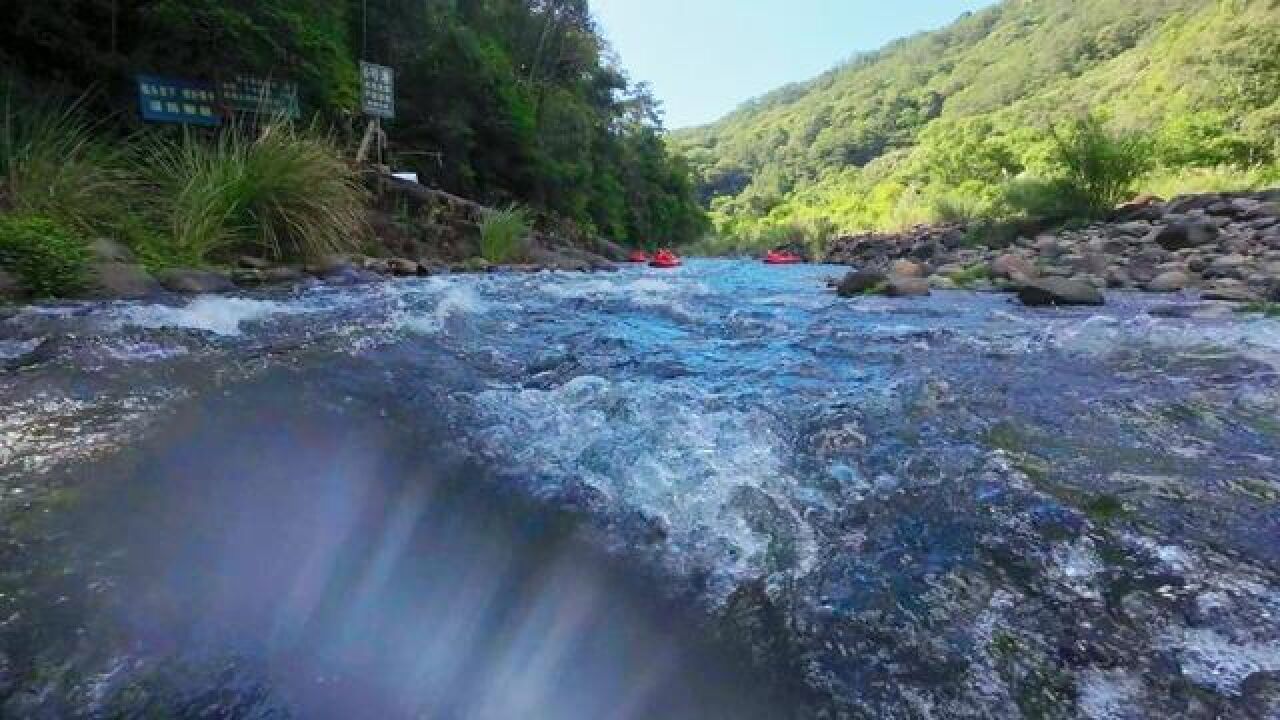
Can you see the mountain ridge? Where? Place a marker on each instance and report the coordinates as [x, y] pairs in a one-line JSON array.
[[1202, 75]]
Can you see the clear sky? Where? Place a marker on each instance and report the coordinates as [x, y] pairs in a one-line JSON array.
[[704, 57]]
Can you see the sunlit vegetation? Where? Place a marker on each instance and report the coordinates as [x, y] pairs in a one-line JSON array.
[[1048, 107]]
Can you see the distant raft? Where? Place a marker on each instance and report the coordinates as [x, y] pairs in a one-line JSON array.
[[665, 259], [782, 257]]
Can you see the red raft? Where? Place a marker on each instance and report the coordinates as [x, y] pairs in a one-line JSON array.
[[665, 259], [782, 257], [638, 256]]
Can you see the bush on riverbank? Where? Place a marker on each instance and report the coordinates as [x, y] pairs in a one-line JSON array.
[[282, 193], [53, 163], [503, 233], [49, 259]]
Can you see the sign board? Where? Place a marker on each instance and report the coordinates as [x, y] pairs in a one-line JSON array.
[[252, 95], [178, 101], [378, 90]]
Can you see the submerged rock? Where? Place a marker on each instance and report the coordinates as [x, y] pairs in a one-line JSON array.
[[1059, 291], [860, 282], [188, 281]]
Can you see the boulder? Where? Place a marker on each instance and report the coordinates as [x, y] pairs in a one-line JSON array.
[[1181, 235], [248, 277], [108, 250], [109, 280], [907, 269], [1172, 281], [1059, 291], [187, 281], [900, 286], [860, 282], [1012, 267]]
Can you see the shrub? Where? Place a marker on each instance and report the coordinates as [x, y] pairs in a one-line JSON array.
[[502, 234], [279, 193], [49, 259], [52, 165], [1055, 201], [1100, 167]]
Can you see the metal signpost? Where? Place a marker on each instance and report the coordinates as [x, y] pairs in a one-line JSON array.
[[378, 98], [186, 102]]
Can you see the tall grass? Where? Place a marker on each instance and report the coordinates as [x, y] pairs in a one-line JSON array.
[[280, 192], [502, 234], [53, 164]]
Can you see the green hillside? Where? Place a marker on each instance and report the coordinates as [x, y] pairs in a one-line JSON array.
[[939, 125]]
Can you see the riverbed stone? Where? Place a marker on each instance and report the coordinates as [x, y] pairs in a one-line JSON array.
[[1012, 267], [1229, 290], [190, 281], [906, 269], [1184, 235], [1171, 281], [1059, 291], [860, 282]]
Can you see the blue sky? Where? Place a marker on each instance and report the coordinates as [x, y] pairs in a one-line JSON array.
[[704, 57]]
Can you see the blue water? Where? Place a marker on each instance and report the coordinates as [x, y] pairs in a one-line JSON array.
[[919, 485]]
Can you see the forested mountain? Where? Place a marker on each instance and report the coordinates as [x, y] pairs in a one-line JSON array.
[[519, 98], [941, 122]]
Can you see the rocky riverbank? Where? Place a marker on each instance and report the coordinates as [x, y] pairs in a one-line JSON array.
[[1222, 246], [414, 231]]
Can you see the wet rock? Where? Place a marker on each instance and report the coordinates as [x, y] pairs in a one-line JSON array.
[[282, 274], [248, 277], [10, 289], [187, 281], [1117, 277], [1229, 290], [120, 280], [906, 269], [1172, 281], [1228, 266], [252, 263], [1260, 696], [108, 250], [402, 267], [899, 286], [1059, 291], [1184, 235], [861, 282]]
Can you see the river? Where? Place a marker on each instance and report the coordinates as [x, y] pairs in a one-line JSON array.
[[718, 491]]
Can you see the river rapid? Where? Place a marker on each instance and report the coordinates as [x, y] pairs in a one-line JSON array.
[[718, 491]]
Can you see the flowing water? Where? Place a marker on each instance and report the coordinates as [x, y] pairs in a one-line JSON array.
[[718, 491]]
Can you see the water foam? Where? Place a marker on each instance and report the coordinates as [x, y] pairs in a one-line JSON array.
[[220, 315]]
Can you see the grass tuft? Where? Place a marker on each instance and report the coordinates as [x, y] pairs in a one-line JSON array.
[[503, 233]]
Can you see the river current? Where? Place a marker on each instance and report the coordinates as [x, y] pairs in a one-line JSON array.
[[718, 491]]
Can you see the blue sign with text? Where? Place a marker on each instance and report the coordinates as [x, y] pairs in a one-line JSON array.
[[167, 100]]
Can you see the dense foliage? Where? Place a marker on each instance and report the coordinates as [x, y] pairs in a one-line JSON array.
[[500, 100], [961, 122]]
